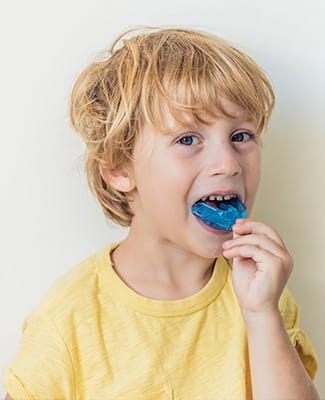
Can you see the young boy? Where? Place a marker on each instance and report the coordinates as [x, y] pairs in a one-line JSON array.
[[179, 309]]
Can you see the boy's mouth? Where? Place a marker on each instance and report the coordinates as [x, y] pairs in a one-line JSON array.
[[220, 211]]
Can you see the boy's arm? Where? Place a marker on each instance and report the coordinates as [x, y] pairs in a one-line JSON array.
[[276, 369], [261, 269], [8, 397]]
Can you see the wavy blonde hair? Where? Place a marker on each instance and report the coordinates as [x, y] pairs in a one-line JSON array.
[[188, 70]]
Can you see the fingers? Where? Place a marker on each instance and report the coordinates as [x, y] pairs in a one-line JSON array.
[[250, 226], [261, 264], [257, 241], [259, 255], [263, 258]]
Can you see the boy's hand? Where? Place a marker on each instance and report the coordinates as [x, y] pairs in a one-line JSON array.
[[261, 266]]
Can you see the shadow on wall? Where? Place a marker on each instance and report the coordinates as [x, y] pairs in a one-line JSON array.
[[309, 294], [291, 200]]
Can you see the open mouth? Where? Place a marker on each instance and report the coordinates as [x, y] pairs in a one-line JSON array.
[[220, 211]]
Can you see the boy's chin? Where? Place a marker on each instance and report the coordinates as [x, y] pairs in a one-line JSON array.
[[209, 252], [210, 247]]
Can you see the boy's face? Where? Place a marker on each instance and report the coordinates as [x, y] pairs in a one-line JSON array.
[[172, 172]]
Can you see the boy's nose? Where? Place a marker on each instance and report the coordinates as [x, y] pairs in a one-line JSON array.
[[224, 161]]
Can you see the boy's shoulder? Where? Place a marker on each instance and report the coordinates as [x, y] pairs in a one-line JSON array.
[[75, 286]]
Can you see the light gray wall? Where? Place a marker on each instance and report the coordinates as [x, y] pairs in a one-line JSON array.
[[49, 220]]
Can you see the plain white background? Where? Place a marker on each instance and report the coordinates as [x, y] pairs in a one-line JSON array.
[[50, 221]]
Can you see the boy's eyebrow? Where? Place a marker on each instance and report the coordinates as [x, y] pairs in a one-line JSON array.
[[172, 130]]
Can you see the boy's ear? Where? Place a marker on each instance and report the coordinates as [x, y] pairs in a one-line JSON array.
[[118, 178]]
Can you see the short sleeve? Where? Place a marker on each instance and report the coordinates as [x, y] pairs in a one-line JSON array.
[[301, 341], [42, 367]]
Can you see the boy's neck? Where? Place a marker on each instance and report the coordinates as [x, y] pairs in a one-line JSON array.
[[160, 271]]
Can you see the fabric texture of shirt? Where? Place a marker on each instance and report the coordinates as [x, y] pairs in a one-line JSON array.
[[94, 338]]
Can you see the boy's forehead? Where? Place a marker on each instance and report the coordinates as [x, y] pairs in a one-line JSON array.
[[234, 110], [175, 119]]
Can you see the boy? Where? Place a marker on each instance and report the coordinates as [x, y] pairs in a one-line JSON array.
[[172, 118]]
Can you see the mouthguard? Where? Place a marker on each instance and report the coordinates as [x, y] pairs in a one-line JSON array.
[[222, 217]]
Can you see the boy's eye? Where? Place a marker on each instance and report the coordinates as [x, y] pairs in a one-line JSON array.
[[242, 137], [188, 140]]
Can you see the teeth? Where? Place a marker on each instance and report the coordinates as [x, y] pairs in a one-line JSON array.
[[219, 197]]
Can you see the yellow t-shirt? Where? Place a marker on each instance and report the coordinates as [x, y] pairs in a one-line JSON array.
[[93, 338]]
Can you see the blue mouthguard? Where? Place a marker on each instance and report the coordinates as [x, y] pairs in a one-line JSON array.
[[222, 217]]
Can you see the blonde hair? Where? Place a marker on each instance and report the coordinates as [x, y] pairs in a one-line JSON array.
[[187, 70]]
